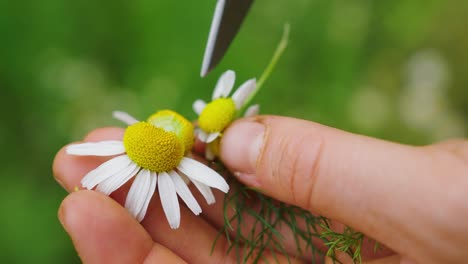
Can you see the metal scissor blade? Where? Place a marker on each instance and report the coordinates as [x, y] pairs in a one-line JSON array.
[[227, 20]]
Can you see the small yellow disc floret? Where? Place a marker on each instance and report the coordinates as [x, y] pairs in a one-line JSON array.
[[152, 148], [174, 122], [217, 115]]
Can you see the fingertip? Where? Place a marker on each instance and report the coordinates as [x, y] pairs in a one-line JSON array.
[[105, 133], [79, 207], [57, 167], [241, 145], [103, 231], [71, 211], [68, 170]]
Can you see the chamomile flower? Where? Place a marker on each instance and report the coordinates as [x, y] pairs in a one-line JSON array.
[[215, 116], [154, 152]]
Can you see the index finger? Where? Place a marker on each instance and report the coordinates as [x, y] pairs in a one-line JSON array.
[[68, 170]]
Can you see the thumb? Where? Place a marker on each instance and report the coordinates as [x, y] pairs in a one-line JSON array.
[[375, 186], [313, 166]]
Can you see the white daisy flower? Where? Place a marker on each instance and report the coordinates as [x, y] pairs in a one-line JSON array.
[[215, 116], [155, 153]]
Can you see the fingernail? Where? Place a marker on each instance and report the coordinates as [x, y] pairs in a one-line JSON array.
[[60, 183], [241, 146], [248, 179]]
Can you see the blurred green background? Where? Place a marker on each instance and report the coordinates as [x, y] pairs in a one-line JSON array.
[[396, 69]]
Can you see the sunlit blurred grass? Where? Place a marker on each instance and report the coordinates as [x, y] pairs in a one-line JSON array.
[[391, 69]]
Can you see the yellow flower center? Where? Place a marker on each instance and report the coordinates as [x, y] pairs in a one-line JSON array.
[[171, 121], [153, 148], [217, 115]]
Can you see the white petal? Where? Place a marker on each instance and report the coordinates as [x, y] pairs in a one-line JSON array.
[[224, 85], [104, 171], [253, 110], [202, 135], [209, 155], [184, 193], [124, 117], [211, 137], [244, 92], [152, 188], [168, 195], [198, 106], [113, 183], [202, 173], [206, 137], [102, 148], [205, 191], [139, 194]]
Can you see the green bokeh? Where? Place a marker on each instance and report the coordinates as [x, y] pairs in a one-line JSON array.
[[396, 70]]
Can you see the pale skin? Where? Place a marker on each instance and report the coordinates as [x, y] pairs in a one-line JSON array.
[[411, 199]]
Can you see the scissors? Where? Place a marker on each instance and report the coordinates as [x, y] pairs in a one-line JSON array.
[[227, 19]]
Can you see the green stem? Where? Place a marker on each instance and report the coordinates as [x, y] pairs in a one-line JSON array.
[[271, 66]]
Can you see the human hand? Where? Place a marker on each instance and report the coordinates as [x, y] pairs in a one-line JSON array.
[[411, 199], [104, 232]]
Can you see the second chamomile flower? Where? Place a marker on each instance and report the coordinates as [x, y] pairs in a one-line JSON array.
[[155, 153], [216, 115]]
